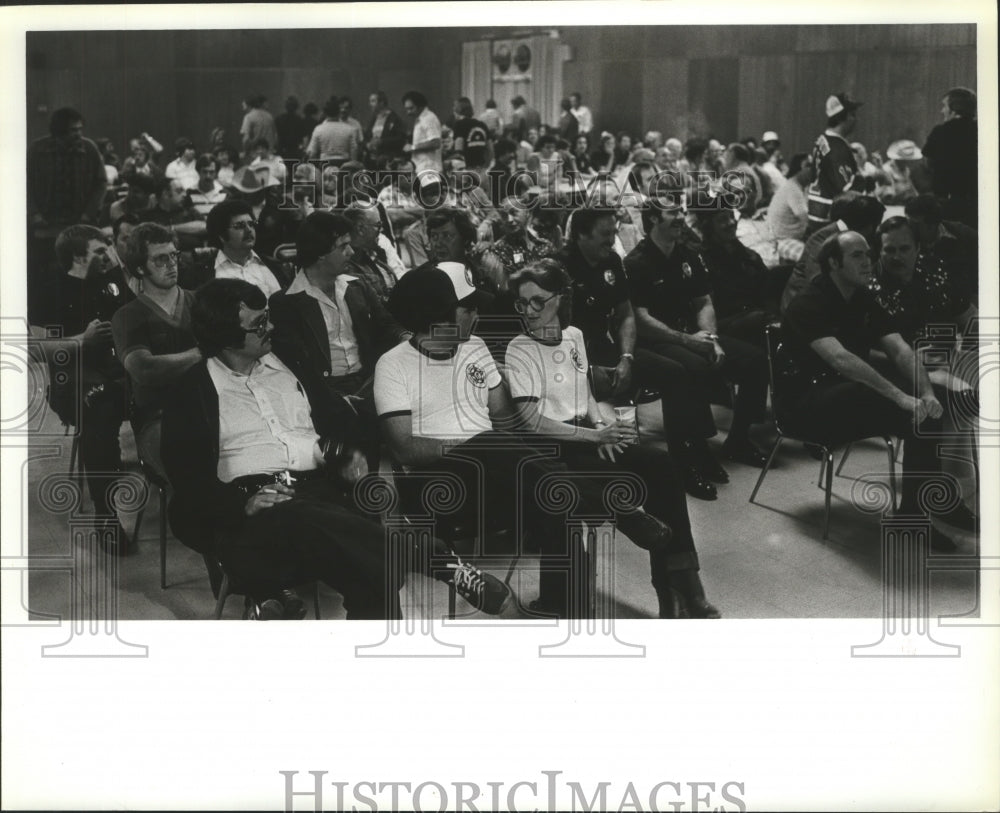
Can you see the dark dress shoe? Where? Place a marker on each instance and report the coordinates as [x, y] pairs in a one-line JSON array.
[[962, 518], [671, 604], [294, 608], [743, 451], [697, 454], [687, 583], [697, 486]]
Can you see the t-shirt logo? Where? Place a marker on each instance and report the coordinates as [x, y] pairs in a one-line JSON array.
[[476, 375], [577, 361], [477, 137], [609, 276], [686, 270]]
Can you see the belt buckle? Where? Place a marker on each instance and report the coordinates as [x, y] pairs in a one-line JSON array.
[[284, 477]]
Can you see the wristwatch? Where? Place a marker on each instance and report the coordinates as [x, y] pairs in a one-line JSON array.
[[628, 356]]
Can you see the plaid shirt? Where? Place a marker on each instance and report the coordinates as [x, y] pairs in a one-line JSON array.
[[64, 179]]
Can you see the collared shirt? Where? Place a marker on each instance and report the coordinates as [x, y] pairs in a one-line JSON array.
[[63, 179], [183, 172], [204, 201], [265, 422], [933, 295], [253, 271], [668, 286], [426, 128], [584, 118], [515, 252], [344, 357], [597, 290]]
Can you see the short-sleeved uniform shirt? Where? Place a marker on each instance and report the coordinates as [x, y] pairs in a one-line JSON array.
[[476, 136], [552, 373], [597, 291], [821, 311], [144, 325], [447, 398], [668, 286]]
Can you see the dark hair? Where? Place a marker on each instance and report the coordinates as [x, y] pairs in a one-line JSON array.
[[291, 104], [517, 101], [566, 104], [504, 146], [310, 109], [962, 102], [861, 213], [695, 149], [464, 105], [62, 119], [549, 275], [138, 245], [741, 152], [926, 206], [548, 138], [129, 219], [795, 163], [442, 217], [215, 313], [183, 143], [829, 251], [415, 96], [317, 236], [331, 109], [491, 104], [839, 118], [72, 243], [896, 223], [204, 160], [231, 154], [219, 216], [586, 218]]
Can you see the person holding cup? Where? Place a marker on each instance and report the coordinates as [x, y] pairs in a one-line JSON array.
[[547, 373]]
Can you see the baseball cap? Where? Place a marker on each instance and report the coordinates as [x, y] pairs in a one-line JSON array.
[[770, 135], [840, 102], [467, 294], [421, 298], [904, 150]]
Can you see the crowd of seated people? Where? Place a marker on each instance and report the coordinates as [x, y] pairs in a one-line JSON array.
[[291, 310]]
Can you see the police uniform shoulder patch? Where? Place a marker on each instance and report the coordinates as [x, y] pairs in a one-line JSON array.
[[476, 375], [577, 361]]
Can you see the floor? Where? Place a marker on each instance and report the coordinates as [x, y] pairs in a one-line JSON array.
[[759, 561]]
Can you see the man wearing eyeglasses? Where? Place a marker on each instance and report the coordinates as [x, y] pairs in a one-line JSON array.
[[153, 336], [261, 458], [232, 227]]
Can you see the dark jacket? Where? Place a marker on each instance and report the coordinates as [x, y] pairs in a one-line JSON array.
[[299, 327], [393, 136], [202, 504]]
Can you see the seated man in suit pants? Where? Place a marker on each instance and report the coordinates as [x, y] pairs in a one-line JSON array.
[[260, 457], [830, 329]]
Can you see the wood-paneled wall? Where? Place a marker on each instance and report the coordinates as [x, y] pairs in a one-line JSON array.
[[728, 81]]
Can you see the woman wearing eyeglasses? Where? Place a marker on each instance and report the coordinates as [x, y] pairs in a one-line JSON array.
[[547, 372]]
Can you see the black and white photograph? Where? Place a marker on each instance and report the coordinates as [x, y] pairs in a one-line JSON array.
[[599, 400]]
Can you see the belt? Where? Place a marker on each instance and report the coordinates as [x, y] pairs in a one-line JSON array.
[[251, 483]]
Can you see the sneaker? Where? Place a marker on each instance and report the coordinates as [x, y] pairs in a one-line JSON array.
[[267, 610], [482, 590]]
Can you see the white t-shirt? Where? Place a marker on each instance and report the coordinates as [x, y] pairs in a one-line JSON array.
[[425, 128], [553, 375], [447, 399]]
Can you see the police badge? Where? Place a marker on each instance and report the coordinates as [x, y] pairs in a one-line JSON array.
[[609, 276], [686, 270]]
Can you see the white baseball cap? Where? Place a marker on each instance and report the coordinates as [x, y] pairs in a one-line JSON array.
[[770, 135]]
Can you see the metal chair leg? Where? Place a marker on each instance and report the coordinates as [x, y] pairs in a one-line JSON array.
[[828, 457], [891, 449], [223, 595], [843, 460], [163, 538], [767, 465]]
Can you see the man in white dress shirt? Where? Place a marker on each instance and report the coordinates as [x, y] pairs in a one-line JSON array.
[[232, 227]]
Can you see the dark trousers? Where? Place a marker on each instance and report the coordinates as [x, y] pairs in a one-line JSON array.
[[745, 365], [98, 415], [314, 535], [665, 499], [843, 411], [686, 413]]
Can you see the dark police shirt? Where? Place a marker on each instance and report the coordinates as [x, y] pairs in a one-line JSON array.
[[668, 286], [597, 290], [935, 295], [820, 311]]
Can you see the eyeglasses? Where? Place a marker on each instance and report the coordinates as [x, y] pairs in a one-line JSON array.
[[535, 304], [260, 324], [244, 225], [165, 260]]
